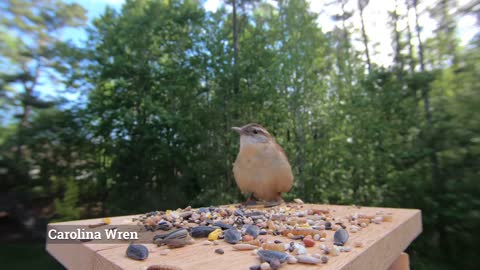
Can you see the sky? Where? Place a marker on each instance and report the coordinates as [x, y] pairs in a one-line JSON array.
[[375, 14]]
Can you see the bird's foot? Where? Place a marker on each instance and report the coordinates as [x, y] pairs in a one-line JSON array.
[[272, 204], [253, 204], [250, 201], [276, 202]]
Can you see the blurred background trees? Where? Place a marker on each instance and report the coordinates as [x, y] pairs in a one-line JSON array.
[[159, 84]]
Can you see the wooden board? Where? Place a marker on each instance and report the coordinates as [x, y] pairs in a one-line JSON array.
[[383, 244]]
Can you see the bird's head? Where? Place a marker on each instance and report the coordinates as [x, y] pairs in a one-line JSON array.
[[253, 133]]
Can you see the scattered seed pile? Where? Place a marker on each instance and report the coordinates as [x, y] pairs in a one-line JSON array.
[[244, 228]]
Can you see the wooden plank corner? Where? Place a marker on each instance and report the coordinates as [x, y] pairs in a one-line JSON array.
[[401, 263]]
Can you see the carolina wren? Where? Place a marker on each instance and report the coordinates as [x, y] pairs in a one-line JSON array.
[[261, 167]]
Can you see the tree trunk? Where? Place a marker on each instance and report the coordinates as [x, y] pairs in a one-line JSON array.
[[236, 80], [426, 100], [411, 53], [24, 121], [25, 115], [420, 44], [361, 5], [398, 62], [437, 182], [346, 45]]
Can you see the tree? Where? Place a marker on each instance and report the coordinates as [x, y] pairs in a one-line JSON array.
[[33, 48], [301, 68], [147, 100], [444, 48]]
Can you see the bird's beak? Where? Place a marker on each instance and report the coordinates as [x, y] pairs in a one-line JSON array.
[[237, 129]]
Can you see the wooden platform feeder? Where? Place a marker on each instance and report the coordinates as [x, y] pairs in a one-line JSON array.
[[383, 247]]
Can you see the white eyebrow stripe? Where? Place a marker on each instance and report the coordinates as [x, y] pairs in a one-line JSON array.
[[262, 130], [256, 127]]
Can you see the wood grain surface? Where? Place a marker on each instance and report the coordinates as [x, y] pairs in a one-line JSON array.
[[383, 244]]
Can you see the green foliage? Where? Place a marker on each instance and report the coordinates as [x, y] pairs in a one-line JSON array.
[[155, 133], [67, 207], [33, 50], [13, 256]]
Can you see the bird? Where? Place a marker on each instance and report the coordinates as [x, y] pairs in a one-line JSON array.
[[261, 167]]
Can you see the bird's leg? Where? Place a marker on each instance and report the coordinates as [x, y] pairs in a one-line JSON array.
[[251, 200], [276, 202]]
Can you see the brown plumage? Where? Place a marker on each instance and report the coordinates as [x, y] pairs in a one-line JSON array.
[[261, 167]]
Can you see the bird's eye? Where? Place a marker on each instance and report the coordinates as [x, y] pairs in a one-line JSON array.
[[255, 131]]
